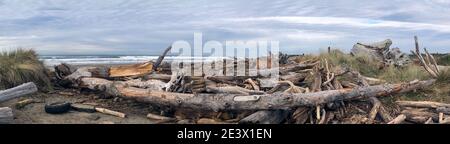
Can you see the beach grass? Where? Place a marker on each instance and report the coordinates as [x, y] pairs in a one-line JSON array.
[[439, 92], [21, 66]]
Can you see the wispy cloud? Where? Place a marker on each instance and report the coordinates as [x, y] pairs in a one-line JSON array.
[[147, 27]]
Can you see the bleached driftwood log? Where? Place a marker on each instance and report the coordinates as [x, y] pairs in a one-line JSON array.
[[217, 102], [6, 115], [21, 90]]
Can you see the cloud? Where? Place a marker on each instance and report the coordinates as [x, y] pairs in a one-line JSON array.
[[148, 27], [349, 22]]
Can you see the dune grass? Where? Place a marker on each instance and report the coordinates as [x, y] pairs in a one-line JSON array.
[[21, 66], [443, 59]]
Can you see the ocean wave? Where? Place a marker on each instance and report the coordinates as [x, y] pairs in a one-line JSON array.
[[88, 60]]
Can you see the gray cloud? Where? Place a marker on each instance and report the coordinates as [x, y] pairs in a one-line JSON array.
[[147, 27]]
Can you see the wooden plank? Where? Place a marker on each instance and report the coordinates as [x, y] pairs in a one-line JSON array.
[[131, 70]]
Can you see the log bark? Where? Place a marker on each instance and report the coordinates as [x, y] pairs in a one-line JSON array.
[[266, 117], [6, 115], [21, 90]]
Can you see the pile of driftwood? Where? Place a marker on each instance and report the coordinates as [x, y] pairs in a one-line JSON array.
[[423, 112], [312, 91], [6, 113]]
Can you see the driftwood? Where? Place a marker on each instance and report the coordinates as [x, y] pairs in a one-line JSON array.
[[6, 115], [398, 120], [160, 118], [266, 117], [419, 115], [110, 112], [131, 70], [375, 109], [300, 115], [422, 104], [429, 63], [161, 58], [21, 90], [218, 102]]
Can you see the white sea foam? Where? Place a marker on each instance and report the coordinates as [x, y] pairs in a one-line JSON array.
[[87, 60]]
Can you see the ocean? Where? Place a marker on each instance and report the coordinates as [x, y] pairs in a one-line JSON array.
[[53, 60]]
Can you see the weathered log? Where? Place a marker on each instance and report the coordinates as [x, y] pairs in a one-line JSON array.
[[398, 120], [162, 77], [218, 102], [21, 90], [419, 115], [385, 114], [131, 70], [266, 117], [375, 109], [381, 111], [422, 104], [6, 115]]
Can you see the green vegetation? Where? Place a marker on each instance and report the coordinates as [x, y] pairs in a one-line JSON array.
[[443, 59], [21, 66]]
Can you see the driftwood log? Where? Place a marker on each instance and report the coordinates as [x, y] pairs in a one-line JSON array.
[[21, 90], [6, 115], [422, 104], [218, 102]]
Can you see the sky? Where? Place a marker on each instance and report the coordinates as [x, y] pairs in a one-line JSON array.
[[147, 27]]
